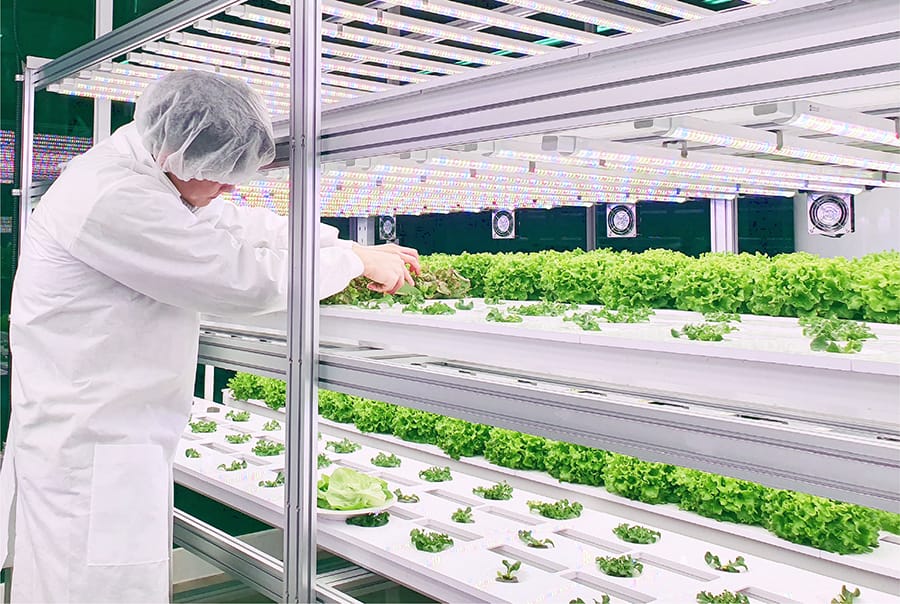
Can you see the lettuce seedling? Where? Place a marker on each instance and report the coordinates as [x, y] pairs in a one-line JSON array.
[[401, 498], [235, 465], [343, 447], [705, 332], [623, 566], [238, 439], [501, 491], [369, 520], [560, 510], [497, 316], [846, 596], [463, 516], [636, 534], [268, 448], [508, 576], [238, 416], [203, 426], [192, 453], [726, 597], [386, 461], [436, 474], [733, 566], [271, 426], [464, 305], [531, 541], [604, 599], [323, 461], [279, 481], [429, 541]]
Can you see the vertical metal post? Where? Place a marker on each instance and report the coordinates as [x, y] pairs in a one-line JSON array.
[[723, 225], [26, 146], [362, 230], [591, 226], [303, 308], [103, 23]]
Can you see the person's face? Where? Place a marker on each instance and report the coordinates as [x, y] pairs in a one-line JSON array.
[[199, 193]]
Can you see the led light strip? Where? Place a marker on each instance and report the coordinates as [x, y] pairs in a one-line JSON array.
[[266, 53], [748, 139], [384, 19], [814, 116], [492, 18], [676, 9], [577, 13], [369, 55]]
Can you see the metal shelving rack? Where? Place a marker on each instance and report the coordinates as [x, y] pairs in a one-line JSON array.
[[791, 48]]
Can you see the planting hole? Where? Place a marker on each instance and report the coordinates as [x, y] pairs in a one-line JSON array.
[[623, 593], [668, 404], [529, 382], [513, 553], [190, 436], [591, 392], [220, 448], [213, 409], [396, 479], [758, 418], [520, 518], [892, 439], [761, 595], [461, 499], [466, 371], [890, 538], [351, 465], [675, 567], [404, 513], [253, 461], [588, 539], [456, 533]]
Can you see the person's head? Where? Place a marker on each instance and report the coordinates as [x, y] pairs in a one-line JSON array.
[[207, 132]]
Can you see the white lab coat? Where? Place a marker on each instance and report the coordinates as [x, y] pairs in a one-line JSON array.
[[114, 273]]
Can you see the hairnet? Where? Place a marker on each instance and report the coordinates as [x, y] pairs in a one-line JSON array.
[[199, 125]]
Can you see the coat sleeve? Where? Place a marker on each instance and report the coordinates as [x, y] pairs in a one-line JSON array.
[[140, 235]]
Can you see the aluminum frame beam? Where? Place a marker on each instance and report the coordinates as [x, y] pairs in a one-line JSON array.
[[811, 47]]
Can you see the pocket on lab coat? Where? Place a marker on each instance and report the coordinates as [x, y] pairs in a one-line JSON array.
[[129, 516]]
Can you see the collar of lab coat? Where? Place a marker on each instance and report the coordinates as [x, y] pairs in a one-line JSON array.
[[129, 141]]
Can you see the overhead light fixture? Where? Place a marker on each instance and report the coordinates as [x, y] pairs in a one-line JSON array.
[[817, 117], [373, 56], [773, 143], [268, 53], [671, 7], [580, 13]]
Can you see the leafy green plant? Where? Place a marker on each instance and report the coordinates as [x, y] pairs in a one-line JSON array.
[[459, 438], [203, 426], [636, 534], [402, 498], [888, 521], [464, 305], [516, 276], [492, 301], [235, 465], [509, 575], [528, 539], [604, 599], [515, 450], [279, 481], [587, 321], [622, 566], [637, 314], [726, 597], [323, 461], [835, 335], [641, 480], [274, 393], [542, 309], [498, 316], [192, 453], [462, 515], [369, 520], [343, 447], [337, 407], [720, 497], [267, 448], [271, 425], [843, 528], [500, 491], [435, 283], [435, 308], [238, 439], [721, 317], [559, 510], [732, 566], [568, 462], [238, 416], [846, 596], [373, 416], [436, 474], [415, 425], [347, 489], [704, 332], [426, 541], [245, 386], [386, 461]]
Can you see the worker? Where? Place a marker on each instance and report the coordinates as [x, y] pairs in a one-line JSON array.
[[124, 252]]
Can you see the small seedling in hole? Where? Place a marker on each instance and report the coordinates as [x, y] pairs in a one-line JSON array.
[[203, 426], [463, 516], [500, 491], [268, 448], [846, 596], [704, 332], [726, 597], [492, 300], [623, 566], [497, 316], [509, 575], [238, 416], [561, 510], [324, 462], [604, 599], [636, 534], [721, 317], [279, 480], [436, 474], [464, 305], [237, 439], [526, 538], [401, 498], [192, 453], [731, 567], [235, 465], [386, 461], [271, 426], [430, 542], [343, 446], [369, 520]]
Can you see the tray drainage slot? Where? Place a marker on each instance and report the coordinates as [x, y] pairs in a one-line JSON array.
[[680, 569], [461, 499], [520, 518], [527, 558], [350, 464], [253, 460], [396, 479], [892, 439], [891, 539], [215, 409], [529, 382], [668, 404], [220, 448], [591, 392], [629, 595], [454, 532], [587, 539], [761, 595], [759, 418], [404, 513]]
